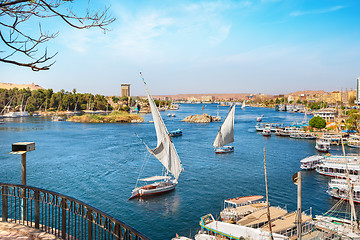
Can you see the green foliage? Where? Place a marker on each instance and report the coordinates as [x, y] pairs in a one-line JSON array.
[[352, 121], [62, 100], [115, 99], [315, 106], [317, 122], [351, 111]]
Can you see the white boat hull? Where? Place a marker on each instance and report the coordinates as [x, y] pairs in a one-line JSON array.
[[154, 188], [225, 149]]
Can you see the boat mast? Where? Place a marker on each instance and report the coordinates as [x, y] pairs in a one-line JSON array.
[[267, 199], [351, 198]]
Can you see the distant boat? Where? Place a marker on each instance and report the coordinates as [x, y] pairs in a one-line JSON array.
[[166, 153], [21, 113], [174, 106], [259, 119], [176, 133], [266, 132], [225, 134], [322, 145], [243, 104]]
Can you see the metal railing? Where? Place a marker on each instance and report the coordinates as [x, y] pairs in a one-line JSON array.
[[60, 215]]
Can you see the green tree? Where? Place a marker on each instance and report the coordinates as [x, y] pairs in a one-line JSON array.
[[317, 122]]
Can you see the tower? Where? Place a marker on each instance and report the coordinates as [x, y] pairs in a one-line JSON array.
[[357, 101], [125, 90]]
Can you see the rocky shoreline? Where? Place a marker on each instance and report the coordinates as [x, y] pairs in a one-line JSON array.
[[204, 118], [117, 117]]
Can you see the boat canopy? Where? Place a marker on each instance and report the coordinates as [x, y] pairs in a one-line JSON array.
[[155, 178], [312, 159], [246, 199], [234, 231]]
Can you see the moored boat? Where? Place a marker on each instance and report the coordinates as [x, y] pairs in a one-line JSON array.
[[231, 231], [353, 141], [322, 145], [266, 132], [338, 188], [311, 162], [335, 166], [237, 208], [303, 135]]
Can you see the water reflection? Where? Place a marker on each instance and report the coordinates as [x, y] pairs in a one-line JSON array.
[[165, 204]]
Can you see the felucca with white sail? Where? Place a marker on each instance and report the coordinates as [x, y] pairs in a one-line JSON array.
[[166, 153], [225, 134]]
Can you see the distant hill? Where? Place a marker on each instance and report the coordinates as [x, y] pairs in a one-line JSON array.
[[20, 86], [311, 92], [216, 95]]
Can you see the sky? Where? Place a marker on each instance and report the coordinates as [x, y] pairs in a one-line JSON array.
[[251, 46]]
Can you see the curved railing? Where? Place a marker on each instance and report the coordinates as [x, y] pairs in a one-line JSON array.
[[60, 215]]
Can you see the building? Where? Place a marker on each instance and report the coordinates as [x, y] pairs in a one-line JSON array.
[[125, 90], [329, 114], [357, 101]]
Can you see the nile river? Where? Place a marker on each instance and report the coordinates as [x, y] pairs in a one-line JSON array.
[[100, 163]]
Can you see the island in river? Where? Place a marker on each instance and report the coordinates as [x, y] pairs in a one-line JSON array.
[[204, 118], [114, 117]]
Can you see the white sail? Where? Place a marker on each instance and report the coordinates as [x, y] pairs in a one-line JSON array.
[[243, 104], [165, 150], [226, 131]]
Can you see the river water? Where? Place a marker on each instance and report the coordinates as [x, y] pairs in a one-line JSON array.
[[100, 163]]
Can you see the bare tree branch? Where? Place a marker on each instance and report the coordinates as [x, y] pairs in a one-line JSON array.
[[20, 41]]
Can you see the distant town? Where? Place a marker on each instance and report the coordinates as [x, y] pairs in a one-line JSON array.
[[71, 101]]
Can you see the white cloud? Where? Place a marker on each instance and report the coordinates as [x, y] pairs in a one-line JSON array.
[[318, 11]]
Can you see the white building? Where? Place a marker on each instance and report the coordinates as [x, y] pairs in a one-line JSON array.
[[328, 114]]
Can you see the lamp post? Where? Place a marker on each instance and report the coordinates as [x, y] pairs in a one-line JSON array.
[[22, 148]]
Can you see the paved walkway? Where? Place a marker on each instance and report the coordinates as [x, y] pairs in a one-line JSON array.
[[17, 232]]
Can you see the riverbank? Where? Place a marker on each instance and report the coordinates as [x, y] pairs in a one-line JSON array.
[[114, 117]]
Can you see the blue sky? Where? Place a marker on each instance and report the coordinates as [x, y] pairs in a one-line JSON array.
[[253, 46]]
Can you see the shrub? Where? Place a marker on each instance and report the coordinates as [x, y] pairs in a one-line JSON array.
[[317, 122]]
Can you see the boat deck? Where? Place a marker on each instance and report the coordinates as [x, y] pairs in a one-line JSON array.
[[260, 217], [233, 231], [285, 223], [249, 208]]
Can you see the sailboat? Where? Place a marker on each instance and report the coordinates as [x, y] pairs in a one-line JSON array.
[[225, 134], [165, 152], [243, 104]]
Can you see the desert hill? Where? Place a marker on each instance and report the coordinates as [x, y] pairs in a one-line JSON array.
[[20, 86]]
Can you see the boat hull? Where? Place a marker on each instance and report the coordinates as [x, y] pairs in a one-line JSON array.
[[322, 149], [227, 149], [153, 189]]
